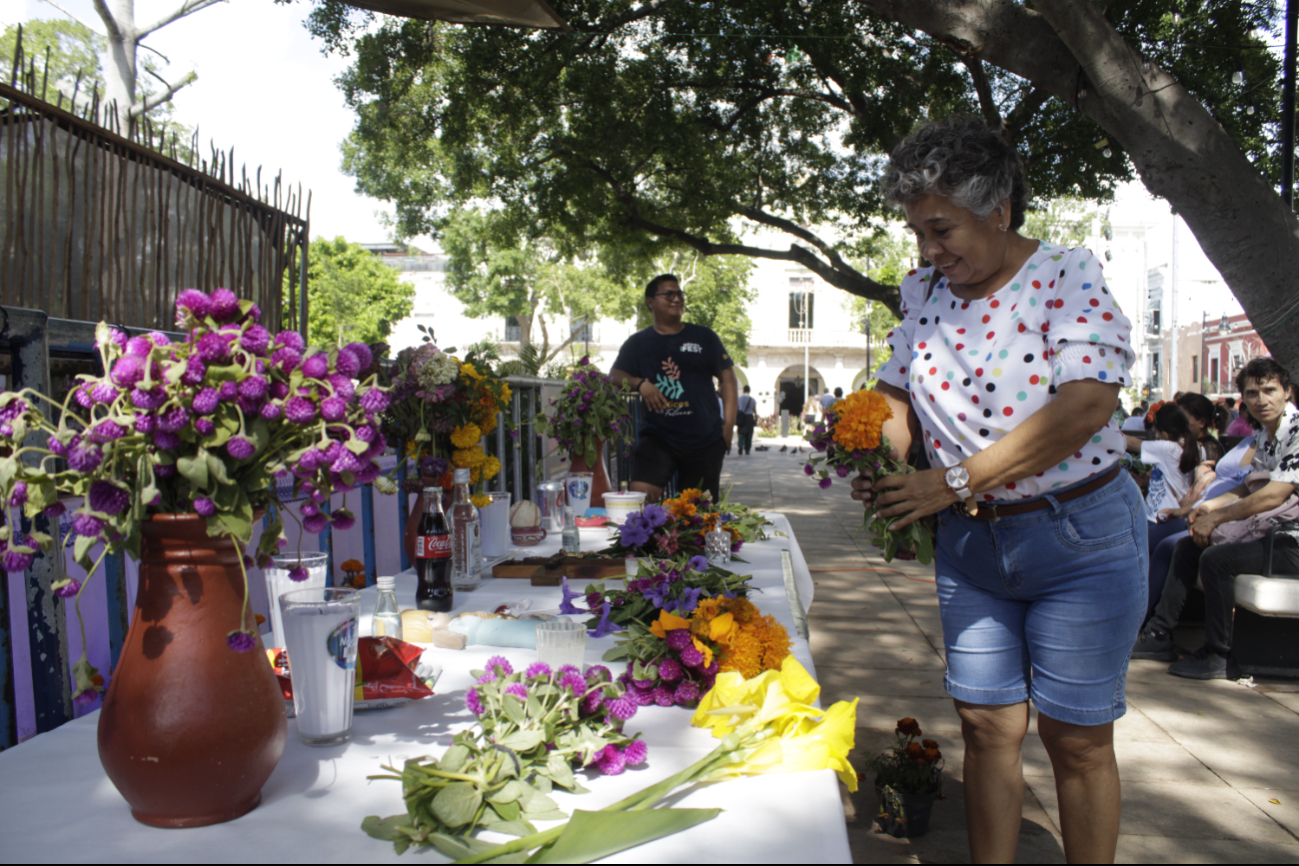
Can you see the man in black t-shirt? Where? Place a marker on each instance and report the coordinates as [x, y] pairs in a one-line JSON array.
[[671, 365]]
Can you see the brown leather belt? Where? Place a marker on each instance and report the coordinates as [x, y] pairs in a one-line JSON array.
[[996, 512]]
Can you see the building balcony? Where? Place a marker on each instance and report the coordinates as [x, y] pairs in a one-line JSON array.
[[811, 337]]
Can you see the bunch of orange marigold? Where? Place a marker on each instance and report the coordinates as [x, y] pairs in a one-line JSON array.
[[850, 440]]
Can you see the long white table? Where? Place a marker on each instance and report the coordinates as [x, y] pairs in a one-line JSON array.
[[56, 804]]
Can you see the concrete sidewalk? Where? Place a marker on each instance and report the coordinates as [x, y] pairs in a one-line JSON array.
[[1208, 769]]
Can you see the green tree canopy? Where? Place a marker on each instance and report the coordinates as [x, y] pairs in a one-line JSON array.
[[352, 296], [673, 120]]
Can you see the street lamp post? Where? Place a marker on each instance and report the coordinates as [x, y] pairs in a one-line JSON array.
[[1203, 362]]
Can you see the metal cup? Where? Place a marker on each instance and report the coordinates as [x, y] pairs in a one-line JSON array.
[[550, 500]]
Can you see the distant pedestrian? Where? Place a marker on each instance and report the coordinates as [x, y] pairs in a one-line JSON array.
[[746, 418], [828, 399]]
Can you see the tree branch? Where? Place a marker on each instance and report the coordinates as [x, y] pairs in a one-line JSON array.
[[157, 99], [644, 10], [110, 23], [991, 115], [189, 7]]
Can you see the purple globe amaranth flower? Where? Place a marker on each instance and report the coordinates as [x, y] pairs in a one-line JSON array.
[[165, 441], [367, 473], [265, 560], [204, 506], [316, 366], [346, 462], [364, 356], [204, 426], [193, 302], [691, 657], [159, 338], [635, 753], [241, 448], [69, 589], [195, 370], [621, 708], [227, 391], [473, 702], [518, 690], [842, 471], [241, 641], [174, 419], [316, 523], [140, 346], [107, 498], [686, 693], [670, 670], [286, 359], [19, 496], [375, 401], [88, 525], [825, 483], [346, 363], [84, 457], [250, 408], [291, 339], [55, 511], [612, 763], [300, 410], [104, 392], [224, 306], [213, 348], [165, 470], [13, 561], [500, 665], [574, 682], [206, 401], [254, 388], [808, 469], [333, 408], [128, 370], [598, 674], [279, 390], [665, 696], [298, 573], [107, 430], [537, 669], [366, 433], [343, 520], [271, 411], [256, 340], [593, 701]]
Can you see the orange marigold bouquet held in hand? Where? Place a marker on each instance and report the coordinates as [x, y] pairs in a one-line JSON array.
[[851, 439]]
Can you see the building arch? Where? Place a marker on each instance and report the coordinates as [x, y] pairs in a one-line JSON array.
[[789, 384]]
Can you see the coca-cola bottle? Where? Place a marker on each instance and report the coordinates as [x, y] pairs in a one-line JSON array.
[[433, 556]]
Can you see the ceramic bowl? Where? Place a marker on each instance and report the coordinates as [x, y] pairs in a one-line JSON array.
[[527, 536]]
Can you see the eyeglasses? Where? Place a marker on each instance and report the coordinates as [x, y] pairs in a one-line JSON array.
[[672, 296]]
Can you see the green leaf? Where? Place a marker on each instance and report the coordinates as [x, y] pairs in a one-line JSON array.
[[534, 802], [387, 829], [512, 828], [194, 469], [617, 653], [81, 550], [217, 467], [454, 759], [593, 835], [514, 709], [508, 793], [522, 741], [508, 811], [456, 804]]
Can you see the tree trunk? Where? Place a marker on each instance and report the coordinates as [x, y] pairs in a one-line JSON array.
[[120, 70], [1180, 151]]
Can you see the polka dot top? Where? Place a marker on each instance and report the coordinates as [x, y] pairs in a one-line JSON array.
[[976, 369]]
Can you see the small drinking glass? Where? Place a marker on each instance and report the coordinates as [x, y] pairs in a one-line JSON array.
[[578, 489], [561, 642], [320, 632], [495, 523], [278, 583], [717, 547]]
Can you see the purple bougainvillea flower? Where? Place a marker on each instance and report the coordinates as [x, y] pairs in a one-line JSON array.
[[107, 498], [204, 506], [164, 470], [292, 340], [686, 693], [342, 385], [375, 401], [191, 301], [316, 523], [227, 391], [148, 400], [598, 674], [174, 419], [241, 641], [499, 665], [346, 363], [842, 471], [55, 511], [593, 701], [224, 306], [128, 370], [808, 469], [612, 763], [345, 462], [316, 367], [241, 448], [670, 670], [286, 359], [678, 639]]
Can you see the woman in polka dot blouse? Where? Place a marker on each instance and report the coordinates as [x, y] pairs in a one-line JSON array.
[[1008, 363]]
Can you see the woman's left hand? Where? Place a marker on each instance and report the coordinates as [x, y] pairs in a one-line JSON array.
[[914, 496]]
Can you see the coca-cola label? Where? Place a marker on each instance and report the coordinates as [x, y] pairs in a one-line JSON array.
[[433, 547]]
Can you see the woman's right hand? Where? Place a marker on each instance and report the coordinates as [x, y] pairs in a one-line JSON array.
[[861, 485]]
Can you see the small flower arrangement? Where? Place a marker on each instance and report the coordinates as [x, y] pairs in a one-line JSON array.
[[680, 523], [849, 440], [201, 426], [590, 409], [672, 584], [677, 659], [909, 767], [533, 729]]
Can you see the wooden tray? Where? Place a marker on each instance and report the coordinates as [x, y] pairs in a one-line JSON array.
[[549, 571]]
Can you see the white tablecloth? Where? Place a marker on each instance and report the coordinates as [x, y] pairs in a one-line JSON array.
[[57, 805]]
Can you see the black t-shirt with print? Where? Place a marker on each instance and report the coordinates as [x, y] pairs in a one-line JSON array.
[[682, 366]]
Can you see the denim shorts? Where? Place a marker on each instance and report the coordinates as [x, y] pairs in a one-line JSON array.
[[1045, 604]]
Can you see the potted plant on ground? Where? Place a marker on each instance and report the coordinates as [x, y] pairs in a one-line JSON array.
[[908, 779], [589, 412], [174, 453]]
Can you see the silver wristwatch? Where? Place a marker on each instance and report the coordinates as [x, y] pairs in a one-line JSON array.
[[958, 480]]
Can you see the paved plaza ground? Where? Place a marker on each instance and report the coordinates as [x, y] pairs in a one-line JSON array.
[[1208, 769]]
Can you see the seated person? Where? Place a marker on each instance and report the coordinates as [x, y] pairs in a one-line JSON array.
[[1199, 409], [1265, 388], [1173, 457]]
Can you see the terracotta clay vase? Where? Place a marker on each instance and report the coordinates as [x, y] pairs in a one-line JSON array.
[[190, 729], [599, 474]]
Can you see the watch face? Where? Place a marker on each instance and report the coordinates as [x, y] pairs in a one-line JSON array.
[[957, 477]]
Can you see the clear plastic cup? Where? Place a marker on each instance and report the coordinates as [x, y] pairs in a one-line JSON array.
[[495, 522], [278, 583], [561, 642], [320, 630], [577, 486]]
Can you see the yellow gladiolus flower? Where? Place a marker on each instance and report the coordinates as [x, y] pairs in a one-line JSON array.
[[809, 745]]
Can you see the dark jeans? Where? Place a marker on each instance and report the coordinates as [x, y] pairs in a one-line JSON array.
[[1217, 566], [1155, 534], [745, 437]]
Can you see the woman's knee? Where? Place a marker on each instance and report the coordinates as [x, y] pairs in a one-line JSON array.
[[988, 728], [1077, 749]]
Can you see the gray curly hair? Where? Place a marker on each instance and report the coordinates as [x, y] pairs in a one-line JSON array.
[[961, 159]]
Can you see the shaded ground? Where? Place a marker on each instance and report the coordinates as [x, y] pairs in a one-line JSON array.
[[1208, 769]]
